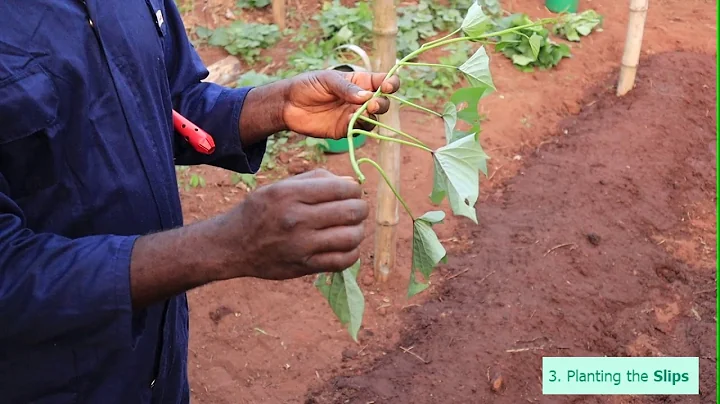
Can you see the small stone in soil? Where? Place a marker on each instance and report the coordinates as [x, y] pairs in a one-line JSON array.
[[593, 238], [219, 313], [349, 353], [497, 383], [366, 333]]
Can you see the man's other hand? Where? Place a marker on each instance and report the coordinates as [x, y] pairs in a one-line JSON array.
[[321, 103], [306, 224]]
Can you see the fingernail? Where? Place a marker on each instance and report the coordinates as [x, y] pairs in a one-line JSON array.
[[364, 93]]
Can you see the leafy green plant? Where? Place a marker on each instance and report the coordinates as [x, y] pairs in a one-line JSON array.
[[242, 39], [341, 25], [187, 179], [491, 7], [248, 179], [457, 164], [428, 84], [573, 26], [531, 46], [253, 3], [253, 79], [185, 6]]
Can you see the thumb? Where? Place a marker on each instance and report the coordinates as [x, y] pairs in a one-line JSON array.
[[345, 89]]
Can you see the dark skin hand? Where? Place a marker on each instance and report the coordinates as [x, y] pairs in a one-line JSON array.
[[317, 104], [303, 225], [307, 224]]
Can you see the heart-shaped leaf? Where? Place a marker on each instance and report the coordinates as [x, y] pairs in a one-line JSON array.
[[456, 175], [477, 70], [345, 297], [476, 22], [427, 250]]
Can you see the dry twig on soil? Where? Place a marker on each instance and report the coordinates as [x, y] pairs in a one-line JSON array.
[[407, 350], [573, 245]]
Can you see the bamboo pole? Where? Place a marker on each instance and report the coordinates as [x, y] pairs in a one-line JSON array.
[[633, 45], [385, 30], [278, 10]]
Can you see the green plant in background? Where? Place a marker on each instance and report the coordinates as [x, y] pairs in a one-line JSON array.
[[248, 179], [253, 79], [457, 164], [187, 179], [341, 25], [492, 8], [253, 3], [242, 39], [423, 83], [529, 47], [573, 26]]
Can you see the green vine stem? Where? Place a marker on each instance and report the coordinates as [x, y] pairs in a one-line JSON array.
[[390, 128], [419, 64], [412, 104], [389, 184], [390, 139], [431, 45], [450, 35]]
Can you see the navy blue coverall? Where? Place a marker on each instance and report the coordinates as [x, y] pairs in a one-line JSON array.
[[87, 155]]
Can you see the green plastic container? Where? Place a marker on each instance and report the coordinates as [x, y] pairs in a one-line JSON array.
[[341, 145], [560, 6]]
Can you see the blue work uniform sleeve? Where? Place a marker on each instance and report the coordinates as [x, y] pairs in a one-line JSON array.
[[216, 109], [55, 289]]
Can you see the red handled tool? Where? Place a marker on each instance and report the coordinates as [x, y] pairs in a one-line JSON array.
[[198, 138]]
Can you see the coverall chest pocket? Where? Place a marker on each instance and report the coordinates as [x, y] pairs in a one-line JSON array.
[[28, 111]]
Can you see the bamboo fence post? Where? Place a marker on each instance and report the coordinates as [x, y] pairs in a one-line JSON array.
[[633, 44], [278, 10], [385, 32]]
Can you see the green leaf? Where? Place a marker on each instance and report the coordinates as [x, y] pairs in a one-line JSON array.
[[427, 250], [203, 32], [470, 96], [456, 175], [220, 37], [345, 297], [416, 287], [491, 7], [476, 22], [194, 180], [477, 70], [536, 42], [450, 118], [572, 26], [522, 60], [322, 283]]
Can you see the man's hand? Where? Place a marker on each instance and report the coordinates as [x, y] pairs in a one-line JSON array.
[[320, 104], [317, 104], [307, 224]]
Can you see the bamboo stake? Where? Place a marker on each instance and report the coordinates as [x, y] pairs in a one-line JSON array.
[[278, 10], [385, 30], [633, 44]]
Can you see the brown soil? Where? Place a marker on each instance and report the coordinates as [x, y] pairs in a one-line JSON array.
[[566, 262], [264, 342]]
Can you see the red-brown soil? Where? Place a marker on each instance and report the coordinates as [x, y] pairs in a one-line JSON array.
[[567, 262], [267, 342]]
